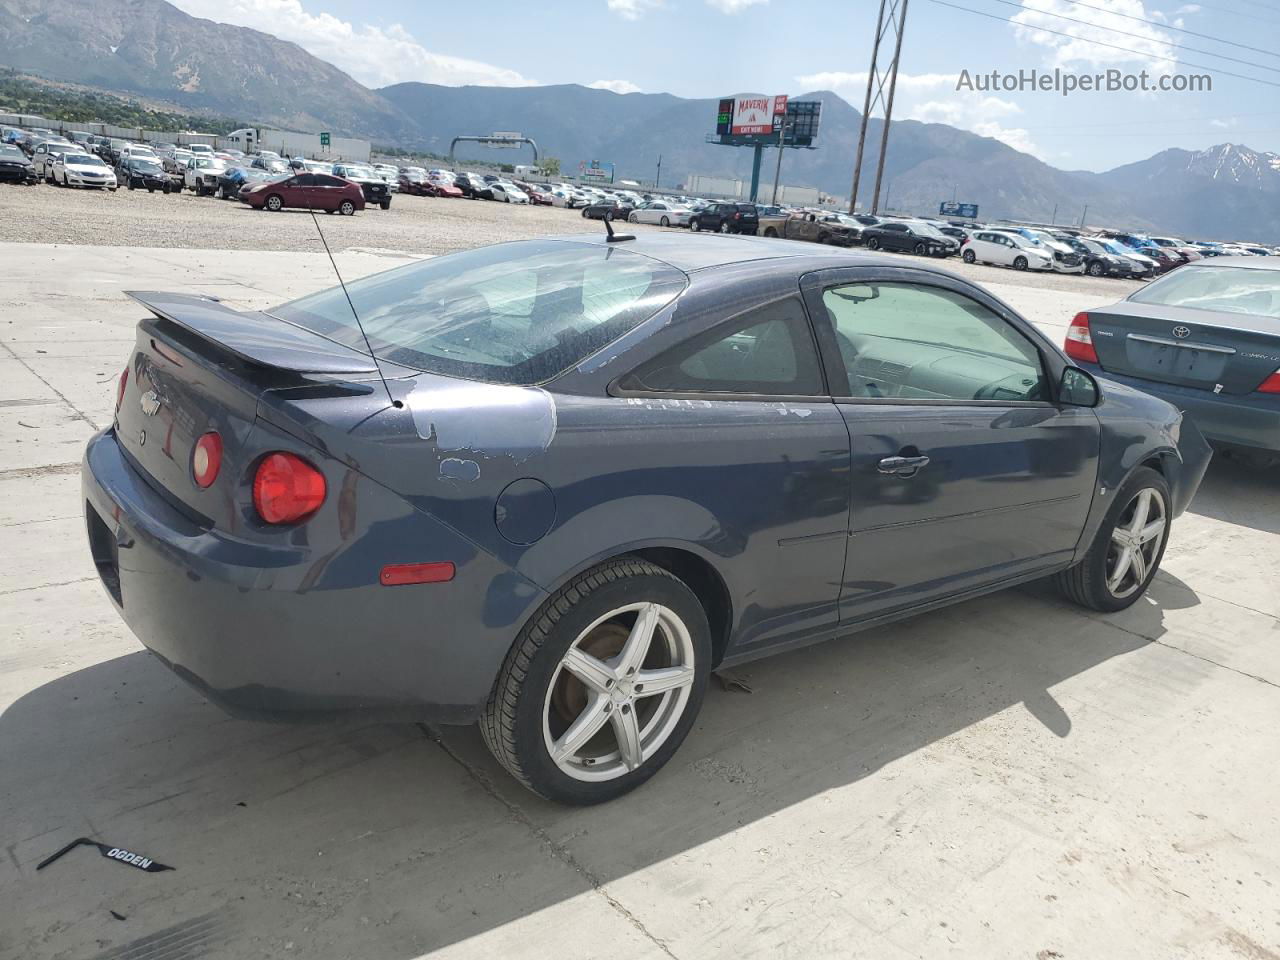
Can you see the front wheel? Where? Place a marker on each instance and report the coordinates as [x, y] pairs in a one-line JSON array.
[[1127, 549], [969, 256], [665, 221], [275, 203], [385, 204], [921, 249], [1096, 269], [602, 685], [873, 244], [1020, 263]]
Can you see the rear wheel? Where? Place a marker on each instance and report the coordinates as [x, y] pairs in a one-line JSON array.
[[968, 256], [633, 219], [602, 685], [346, 208], [274, 203], [1127, 549], [1019, 263]]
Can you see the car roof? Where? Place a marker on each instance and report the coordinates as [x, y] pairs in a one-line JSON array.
[[1253, 263], [693, 252]]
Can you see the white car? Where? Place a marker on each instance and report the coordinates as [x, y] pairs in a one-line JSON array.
[[507, 192], [662, 213], [390, 175], [43, 154], [1006, 250], [78, 169], [200, 148], [1065, 260], [202, 173]]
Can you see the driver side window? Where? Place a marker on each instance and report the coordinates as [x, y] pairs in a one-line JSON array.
[[910, 341]]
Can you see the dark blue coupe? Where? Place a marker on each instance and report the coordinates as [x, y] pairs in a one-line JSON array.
[[595, 472]]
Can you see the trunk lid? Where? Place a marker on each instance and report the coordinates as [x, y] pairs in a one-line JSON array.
[[1224, 353], [198, 366]]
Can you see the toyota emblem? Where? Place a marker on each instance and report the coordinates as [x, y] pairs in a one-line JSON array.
[[150, 403], [1181, 332]]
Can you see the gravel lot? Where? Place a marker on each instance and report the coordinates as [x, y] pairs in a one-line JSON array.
[[45, 214]]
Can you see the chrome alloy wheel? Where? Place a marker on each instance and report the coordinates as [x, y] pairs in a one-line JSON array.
[[1135, 542], [619, 692]]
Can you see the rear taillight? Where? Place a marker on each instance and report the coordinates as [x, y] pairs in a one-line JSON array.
[[1079, 342], [286, 488], [124, 382], [206, 459], [1271, 384]]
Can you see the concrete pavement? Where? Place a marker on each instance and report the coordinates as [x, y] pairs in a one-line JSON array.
[[1012, 777]]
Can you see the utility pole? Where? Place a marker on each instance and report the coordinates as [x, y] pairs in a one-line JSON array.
[[1053, 220], [777, 173], [657, 180], [1083, 215], [892, 16]]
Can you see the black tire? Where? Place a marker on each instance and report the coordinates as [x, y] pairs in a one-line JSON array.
[[131, 186], [921, 250], [385, 204], [724, 227], [584, 213], [274, 203], [770, 232], [512, 722], [347, 208], [665, 221], [151, 189], [969, 256], [873, 243], [694, 225], [1096, 269], [608, 215], [1086, 582], [633, 219], [1019, 263]]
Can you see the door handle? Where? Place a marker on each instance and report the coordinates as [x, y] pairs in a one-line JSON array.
[[903, 466]]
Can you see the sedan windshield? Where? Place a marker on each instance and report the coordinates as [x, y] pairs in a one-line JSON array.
[[82, 160], [1228, 289], [515, 313], [12, 153], [360, 171]]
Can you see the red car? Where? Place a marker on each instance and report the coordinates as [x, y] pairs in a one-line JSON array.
[[441, 188], [314, 191]]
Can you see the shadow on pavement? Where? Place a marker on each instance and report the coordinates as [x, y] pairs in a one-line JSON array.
[[372, 841], [1236, 492]]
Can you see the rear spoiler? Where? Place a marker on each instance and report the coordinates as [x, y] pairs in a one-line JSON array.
[[255, 337]]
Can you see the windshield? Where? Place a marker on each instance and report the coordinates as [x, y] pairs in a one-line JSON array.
[[12, 153], [82, 160], [358, 170], [145, 165], [1229, 289], [927, 230], [516, 313]]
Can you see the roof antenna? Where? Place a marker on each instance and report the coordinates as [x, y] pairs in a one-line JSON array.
[[615, 237], [377, 366]]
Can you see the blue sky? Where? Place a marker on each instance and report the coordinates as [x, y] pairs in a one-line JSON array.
[[710, 48]]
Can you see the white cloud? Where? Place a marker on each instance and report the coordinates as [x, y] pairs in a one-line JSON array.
[[375, 56], [1145, 47], [1224, 124], [733, 6], [920, 97], [617, 86], [632, 9]]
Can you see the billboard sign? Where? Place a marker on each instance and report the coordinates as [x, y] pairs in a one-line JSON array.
[[601, 170], [755, 114], [949, 208]]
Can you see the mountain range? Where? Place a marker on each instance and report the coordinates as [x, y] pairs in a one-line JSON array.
[[153, 49]]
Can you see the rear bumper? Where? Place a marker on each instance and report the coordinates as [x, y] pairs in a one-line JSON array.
[[1247, 421], [300, 629]]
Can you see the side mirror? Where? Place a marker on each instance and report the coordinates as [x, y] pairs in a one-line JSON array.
[[1078, 388]]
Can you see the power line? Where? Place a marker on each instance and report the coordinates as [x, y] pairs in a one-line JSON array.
[[1230, 12], [1136, 36], [1113, 46], [1165, 26]]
